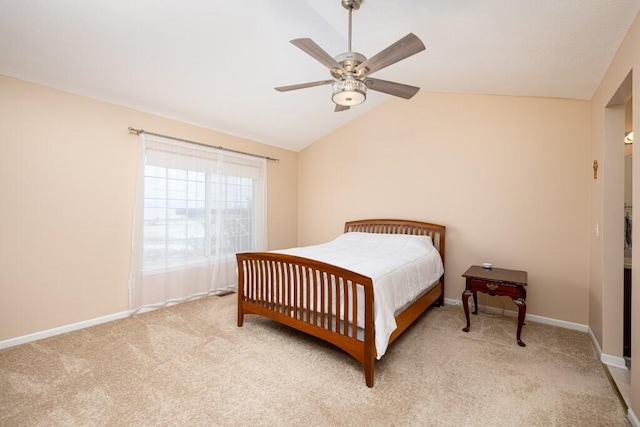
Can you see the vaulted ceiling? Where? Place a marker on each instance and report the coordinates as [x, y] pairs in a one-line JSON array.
[[215, 63]]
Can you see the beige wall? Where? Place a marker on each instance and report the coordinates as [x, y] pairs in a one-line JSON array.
[[508, 176], [607, 110], [67, 178]]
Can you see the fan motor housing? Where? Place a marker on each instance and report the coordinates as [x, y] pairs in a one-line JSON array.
[[348, 62]]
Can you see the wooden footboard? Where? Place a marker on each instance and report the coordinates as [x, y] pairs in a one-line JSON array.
[[326, 301], [314, 297]]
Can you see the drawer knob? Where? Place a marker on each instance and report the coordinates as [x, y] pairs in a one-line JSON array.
[[492, 286]]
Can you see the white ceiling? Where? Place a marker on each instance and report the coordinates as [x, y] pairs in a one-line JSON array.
[[215, 63]]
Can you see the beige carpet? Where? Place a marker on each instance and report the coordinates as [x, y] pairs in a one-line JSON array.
[[190, 365]]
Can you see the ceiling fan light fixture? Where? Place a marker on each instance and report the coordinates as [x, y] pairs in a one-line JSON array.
[[348, 92], [351, 70]]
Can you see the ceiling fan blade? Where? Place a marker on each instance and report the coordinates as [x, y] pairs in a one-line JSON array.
[[403, 48], [341, 108], [303, 85], [391, 88], [311, 48]]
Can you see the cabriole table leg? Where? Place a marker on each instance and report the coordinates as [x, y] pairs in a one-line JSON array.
[[465, 302], [522, 311]]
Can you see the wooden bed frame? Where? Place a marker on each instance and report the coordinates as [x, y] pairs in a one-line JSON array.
[[282, 288]]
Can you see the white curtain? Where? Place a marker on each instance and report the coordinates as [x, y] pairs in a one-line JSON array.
[[196, 207]]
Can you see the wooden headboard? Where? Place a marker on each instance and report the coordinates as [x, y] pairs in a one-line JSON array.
[[401, 226]]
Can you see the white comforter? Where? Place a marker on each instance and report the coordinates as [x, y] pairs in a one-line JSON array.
[[401, 267]]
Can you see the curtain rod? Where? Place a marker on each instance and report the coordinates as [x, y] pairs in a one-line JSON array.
[[139, 131]]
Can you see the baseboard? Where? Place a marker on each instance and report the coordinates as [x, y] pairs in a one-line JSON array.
[[595, 343], [62, 329], [632, 418], [607, 359], [449, 301], [529, 317], [610, 360]]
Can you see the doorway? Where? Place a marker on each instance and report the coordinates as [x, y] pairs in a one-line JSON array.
[[628, 225], [615, 205], [617, 251]]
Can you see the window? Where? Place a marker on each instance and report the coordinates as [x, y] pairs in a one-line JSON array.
[[196, 208]]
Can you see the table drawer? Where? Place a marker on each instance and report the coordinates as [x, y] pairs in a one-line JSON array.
[[494, 288]]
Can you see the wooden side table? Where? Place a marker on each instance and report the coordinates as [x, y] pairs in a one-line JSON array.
[[496, 281]]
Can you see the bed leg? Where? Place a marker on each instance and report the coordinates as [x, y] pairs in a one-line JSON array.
[[441, 298], [368, 372], [240, 319], [240, 312]]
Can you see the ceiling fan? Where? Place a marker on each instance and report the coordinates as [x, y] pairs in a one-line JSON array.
[[351, 70]]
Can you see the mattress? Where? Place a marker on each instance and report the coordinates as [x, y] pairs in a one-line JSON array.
[[402, 267]]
